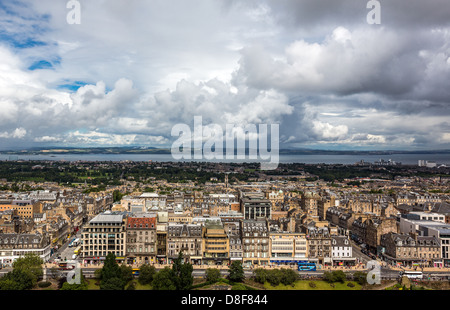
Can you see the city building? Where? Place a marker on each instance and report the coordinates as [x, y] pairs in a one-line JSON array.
[[287, 248], [216, 245], [104, 234], [255, 241], [341, 251], [254, 207], [141, 239], [375, 228], [14, 245], [187, 239], [411, 250], [319, 246]]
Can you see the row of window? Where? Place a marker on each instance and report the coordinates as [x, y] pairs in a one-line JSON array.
[[87, 236], [140, 250]]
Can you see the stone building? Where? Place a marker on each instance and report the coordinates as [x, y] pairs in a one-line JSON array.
[[185, 238], [215, 244], [410, 250], [319, 246], [375, 228], [141, 239], [14, 245], [255, 240]]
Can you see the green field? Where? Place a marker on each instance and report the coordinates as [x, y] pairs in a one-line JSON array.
[[93, 286], [320, 286]]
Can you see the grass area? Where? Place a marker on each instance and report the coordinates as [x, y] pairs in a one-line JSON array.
[[92, 284], [319, 286], [139, 287]]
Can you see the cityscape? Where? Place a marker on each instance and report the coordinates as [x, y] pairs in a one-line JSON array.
[[221, 152], [310, 223]]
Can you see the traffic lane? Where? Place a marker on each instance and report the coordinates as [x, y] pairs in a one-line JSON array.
[[357, 252]]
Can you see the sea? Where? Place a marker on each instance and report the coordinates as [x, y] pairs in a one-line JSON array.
[[405, 159]]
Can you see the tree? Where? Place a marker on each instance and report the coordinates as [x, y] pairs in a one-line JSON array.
[[288, 276], [9, 285], [146, 274], [127, 273], [182, 273], [117, 195], [339, 276], [115, 284], [274, 277], [111, 274], [260, 275], [328, 276], [31, 263], [360, 277], [236, 272], [212, 275], [18, 279], [335, 276], [163, 280]]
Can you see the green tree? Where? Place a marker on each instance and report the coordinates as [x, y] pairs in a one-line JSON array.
[[212, 275], [111, 274], [17, 279], [360, 277], [274, 276], [163, 280], [236, 272], [335, 276], [146, 274], [328, 276], [260, 275], [9, 285], [31, 263], [182, 273], [127, 273], [117, 195], [288, 276], [115, 284]]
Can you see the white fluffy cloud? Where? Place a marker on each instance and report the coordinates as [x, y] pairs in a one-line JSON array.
[[315, 67]]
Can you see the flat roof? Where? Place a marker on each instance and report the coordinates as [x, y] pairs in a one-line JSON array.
[[108, 218]]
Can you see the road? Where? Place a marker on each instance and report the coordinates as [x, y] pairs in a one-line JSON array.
[[66, 253], [386, 274]]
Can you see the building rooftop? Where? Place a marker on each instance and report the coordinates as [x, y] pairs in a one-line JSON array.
[[107, 218]]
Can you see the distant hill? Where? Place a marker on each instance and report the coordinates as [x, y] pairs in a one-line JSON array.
[[153, 150]]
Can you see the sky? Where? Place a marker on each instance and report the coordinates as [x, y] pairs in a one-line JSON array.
[[131, 70]]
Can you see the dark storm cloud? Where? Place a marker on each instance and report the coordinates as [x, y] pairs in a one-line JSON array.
[[394, 13]]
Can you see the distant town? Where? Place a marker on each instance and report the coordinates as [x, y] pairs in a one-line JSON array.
[[312, 219]]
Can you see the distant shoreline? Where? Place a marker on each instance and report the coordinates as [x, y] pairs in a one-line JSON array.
[[162, 151]]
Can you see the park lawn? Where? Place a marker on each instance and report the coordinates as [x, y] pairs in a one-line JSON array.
[[140, 287], [320, 286], [92, 285]]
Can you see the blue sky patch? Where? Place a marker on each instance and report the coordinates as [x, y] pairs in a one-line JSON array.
[[73, 87]]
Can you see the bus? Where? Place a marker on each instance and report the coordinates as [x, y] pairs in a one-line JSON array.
[[135, 271], [412, 274], [64, 266], [306, 267], [77, 250]]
